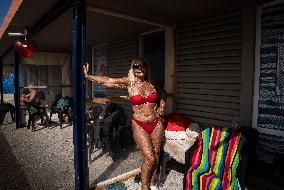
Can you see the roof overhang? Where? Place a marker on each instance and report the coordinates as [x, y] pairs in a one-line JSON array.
[[106, 20], [10, 9]]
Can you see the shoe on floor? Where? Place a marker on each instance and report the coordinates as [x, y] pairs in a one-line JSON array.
[[137, 179]]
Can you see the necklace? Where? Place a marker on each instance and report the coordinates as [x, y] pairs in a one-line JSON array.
[[144, 86]]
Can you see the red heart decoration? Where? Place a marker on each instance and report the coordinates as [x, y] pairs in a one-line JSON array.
[[25, 47]]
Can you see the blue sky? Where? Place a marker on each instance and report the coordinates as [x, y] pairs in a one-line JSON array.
[[4, 7]]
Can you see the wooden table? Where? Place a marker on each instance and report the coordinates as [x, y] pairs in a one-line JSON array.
[[92, 101], [36, 87]]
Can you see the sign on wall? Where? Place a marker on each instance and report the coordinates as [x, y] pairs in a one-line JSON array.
[[269, 70]]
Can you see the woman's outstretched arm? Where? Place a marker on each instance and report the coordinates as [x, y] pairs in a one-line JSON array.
[[106, 81]]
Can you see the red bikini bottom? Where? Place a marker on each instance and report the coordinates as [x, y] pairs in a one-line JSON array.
[[148, 127]]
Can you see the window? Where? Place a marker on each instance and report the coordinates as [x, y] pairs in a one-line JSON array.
[[43, 75]]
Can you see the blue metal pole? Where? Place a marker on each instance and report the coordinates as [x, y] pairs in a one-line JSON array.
[[17, 92], [1, 81], [78, 94]]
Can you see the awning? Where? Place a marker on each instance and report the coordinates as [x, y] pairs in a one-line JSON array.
[[7, 11]]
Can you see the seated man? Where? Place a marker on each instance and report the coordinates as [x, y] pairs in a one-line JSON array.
[[28, 95], [31, 96]]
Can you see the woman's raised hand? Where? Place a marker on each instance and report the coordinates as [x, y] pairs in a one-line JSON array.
[[86, 69]]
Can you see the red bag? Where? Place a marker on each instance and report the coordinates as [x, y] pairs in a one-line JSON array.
[[177, 122]]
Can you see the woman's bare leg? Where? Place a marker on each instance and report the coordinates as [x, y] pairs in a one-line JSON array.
[[143, 140], [157, 137]]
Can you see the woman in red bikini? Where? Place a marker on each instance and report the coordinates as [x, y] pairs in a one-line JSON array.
[[148, 104]]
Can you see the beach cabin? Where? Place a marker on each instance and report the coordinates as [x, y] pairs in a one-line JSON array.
[[220, 61]]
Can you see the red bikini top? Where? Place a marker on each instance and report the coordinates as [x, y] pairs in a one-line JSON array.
[[138, 99]]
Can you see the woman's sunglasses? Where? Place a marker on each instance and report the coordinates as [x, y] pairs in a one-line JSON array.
[[139, 66]]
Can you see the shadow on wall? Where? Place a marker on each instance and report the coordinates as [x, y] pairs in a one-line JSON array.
[[11, 172]]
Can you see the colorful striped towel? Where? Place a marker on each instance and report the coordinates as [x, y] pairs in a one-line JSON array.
[[215, 161]]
